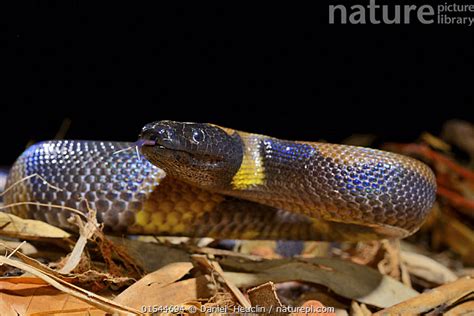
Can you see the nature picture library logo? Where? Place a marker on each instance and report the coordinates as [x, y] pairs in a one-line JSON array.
[[372, 13]]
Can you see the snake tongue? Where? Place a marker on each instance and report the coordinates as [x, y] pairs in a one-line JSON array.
[[145, 142]]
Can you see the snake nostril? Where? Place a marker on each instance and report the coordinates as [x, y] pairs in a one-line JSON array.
[[157, 133], [148, 134]]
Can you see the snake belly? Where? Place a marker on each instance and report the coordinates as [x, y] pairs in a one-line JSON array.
[[283, 190]]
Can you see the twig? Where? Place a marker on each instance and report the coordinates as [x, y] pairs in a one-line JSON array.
[[123, 149], [14, 250], [63, 286], [220, 252], [34, 175], [444, 294], [135, 147], [138, 153], [214, 266], [75, 255], [466, 308]]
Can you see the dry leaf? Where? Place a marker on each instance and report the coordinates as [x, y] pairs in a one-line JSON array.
[[160, 288], [214, 267], [26, 248], [427, 268], [162, 277], [63, 286], [33, 296], [466, 308], [446, 295], [174, 294], [265, 296], [86, 231], [151, 256], [14, 226], [347, 279], [359, 309]]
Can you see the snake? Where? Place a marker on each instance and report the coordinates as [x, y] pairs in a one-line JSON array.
[[204, 180]]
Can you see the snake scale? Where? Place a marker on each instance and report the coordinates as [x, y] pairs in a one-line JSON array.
[[196, 179]]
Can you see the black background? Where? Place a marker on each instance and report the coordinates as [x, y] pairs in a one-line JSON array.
[[275, 70]]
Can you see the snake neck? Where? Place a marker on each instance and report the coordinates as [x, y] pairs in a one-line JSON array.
[[273, 172], [334, 182]]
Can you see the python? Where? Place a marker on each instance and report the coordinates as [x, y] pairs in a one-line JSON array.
[[199, 179]]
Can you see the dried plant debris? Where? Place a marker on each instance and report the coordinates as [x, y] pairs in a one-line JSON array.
[[440, 299], [67, 287], [460, 134], [28, 229], [33, 296], [344, 278], [166, 287], [426, 268], [45, 270]]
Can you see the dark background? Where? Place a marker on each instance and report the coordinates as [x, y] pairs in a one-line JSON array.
[[276, 70]]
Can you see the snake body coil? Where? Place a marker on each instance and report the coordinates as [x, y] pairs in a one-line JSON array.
[[226, 184]]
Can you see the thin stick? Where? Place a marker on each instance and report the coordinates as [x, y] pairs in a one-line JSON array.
[[214, 266], [444, 294], [135, 147], [123, 149], [138, 153], [73, 290], [14, 250], [29, 177]]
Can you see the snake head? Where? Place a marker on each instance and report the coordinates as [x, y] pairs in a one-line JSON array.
[[203, 154]]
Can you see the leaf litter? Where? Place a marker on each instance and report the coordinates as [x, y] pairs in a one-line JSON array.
[[46, 270]]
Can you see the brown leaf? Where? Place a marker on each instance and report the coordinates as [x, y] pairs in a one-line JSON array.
[[466, 308], [14, 226], [151, 256], [265, 296], [173, 294], [160, 288], [347, 279], [446, 294], [214, 267], [57, 282], [33, 296]]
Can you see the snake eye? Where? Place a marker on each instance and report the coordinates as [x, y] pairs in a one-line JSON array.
[[198, 136]]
